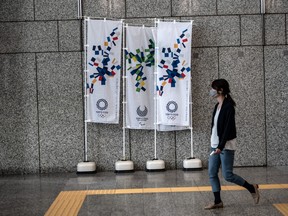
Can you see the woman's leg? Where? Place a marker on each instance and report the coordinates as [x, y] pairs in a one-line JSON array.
[[227, 161], [213, 168]]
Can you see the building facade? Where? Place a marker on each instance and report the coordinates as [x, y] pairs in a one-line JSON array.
[[41, 68]]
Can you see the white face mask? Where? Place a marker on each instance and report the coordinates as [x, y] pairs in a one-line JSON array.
[[213, 93]]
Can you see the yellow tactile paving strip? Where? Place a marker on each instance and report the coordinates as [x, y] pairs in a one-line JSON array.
[[283, 208], [68, 203]]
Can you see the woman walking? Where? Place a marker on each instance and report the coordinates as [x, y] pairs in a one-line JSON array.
[[223, 144]]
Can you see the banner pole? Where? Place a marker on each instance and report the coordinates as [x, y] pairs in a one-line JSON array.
[[191, 163], [85, 166], [124, 165], [191, 126], [80, 10], [263, 7], [85, 90], [124, 93], [155, 164], [191, 109], [155, 95]]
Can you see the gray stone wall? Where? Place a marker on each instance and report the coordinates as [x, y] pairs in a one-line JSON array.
[[41, 102]]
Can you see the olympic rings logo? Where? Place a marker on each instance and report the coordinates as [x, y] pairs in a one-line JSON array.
[[172, 106], [102, 115], [171, 117], [102, 104]]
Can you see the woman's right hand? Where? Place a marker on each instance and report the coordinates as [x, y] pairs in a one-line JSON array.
[[217, 151]]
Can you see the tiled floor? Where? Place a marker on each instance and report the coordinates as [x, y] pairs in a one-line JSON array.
[[173, 192]]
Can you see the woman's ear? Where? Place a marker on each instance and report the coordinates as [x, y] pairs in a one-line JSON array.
[[220, 91]]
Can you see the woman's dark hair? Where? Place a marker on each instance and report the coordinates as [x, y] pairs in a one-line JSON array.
[[223, 85]]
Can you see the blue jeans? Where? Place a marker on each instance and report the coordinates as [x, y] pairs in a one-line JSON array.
[[226, 159]]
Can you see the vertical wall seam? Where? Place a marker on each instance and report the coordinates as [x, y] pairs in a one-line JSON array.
[[218, 55], [38, 116], [129, 144], [81, 38], [263, 30], [265, 108], [264, 89], [34, 10], [58, 36], [175, 144], [285, 28], [171, 11], [216, 7], [240, 32], [125, 8]]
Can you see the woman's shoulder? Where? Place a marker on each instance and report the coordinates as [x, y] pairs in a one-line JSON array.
[[228, 104]]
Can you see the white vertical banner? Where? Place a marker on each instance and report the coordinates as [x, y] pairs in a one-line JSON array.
[[173, 75], [140, 62], [103, 70]]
